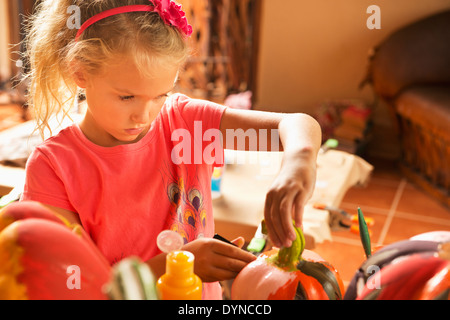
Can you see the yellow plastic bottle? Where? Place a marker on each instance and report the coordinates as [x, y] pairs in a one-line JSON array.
[[179, 282]]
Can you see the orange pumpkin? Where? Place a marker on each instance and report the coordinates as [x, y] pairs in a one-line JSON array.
[[43, 258], [414, 269], [32, 209], [24, 210], [303, 275], [416, 277], [438, 286]]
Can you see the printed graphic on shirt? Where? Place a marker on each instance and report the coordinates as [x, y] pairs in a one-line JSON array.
[[187, 212]]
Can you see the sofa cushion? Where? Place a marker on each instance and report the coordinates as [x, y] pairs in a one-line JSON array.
[[428, 107], [416, 54]]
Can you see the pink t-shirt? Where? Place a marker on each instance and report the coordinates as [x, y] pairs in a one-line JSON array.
[[126, 195]]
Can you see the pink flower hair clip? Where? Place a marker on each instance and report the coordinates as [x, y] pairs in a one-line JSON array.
[[173, 15], [168, 10]]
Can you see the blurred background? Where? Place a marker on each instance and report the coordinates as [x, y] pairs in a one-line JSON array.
[[291, 55]]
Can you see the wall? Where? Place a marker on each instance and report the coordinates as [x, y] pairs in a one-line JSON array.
[[316, 50]]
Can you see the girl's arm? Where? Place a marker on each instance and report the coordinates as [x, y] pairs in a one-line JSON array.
[[300, 137]]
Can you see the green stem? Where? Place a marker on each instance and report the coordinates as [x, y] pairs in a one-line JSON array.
[[290, 256], [364, 234]]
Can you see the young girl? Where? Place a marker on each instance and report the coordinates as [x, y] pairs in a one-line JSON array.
[[114, 172]]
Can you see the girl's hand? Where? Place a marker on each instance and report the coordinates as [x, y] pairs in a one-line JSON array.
[[216, 260], [290, 191]]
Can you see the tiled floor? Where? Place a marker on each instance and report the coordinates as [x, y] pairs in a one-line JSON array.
[[400, 211]]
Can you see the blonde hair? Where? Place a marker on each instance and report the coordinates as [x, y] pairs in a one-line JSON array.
[[51, 49]]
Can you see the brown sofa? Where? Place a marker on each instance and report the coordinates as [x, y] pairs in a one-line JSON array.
[[410, 70]]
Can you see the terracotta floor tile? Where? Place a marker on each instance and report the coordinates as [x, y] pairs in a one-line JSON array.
[[377, 194], [415, 201], [346, 258], [402, 228], [379, 216], [345, 252]]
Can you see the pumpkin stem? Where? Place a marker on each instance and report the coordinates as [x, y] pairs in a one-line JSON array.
[[290, 256]]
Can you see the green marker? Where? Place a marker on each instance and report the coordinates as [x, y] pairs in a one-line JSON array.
[[258, 243]]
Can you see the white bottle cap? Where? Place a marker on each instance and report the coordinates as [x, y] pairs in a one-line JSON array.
[[169, 240]]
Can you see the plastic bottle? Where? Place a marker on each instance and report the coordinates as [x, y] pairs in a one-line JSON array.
[[179, 282]]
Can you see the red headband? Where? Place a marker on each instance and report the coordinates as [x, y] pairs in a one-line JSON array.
[[169, 11]]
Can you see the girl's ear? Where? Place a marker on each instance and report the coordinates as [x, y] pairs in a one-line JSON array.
[[79, 74]]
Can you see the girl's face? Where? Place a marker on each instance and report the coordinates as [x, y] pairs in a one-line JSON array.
[[122, 103]]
